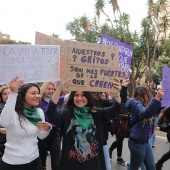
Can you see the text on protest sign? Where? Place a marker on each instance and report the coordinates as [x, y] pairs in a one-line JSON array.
[[92, 67], [165, 84], [32, 63], [125, 52]]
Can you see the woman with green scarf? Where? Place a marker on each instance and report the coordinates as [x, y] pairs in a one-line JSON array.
[[24, 122], [80, 125]]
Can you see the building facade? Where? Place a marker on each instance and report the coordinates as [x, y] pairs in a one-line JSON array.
[[4, 36]]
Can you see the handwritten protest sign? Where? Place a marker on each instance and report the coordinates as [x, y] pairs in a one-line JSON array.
[[44, 39], [165, 84], [91, 66], [32, 63], [125, 52]]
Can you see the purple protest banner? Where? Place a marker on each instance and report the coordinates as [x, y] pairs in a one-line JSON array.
[[165, 84], [125, 52]]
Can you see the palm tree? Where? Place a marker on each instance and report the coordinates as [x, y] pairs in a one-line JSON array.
[[157, 16]]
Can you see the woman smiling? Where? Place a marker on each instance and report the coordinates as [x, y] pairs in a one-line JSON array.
[[80, 124], [24, 122]]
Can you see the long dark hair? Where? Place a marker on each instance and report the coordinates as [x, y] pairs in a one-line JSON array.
[[19, 107], [70, 103], [143, 94]]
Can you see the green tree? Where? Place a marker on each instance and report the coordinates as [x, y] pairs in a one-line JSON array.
[[88, 30], [147, 45], [155, 27], [6, 41], [55, 35], [164, 59], [84, 30], [117, 26]]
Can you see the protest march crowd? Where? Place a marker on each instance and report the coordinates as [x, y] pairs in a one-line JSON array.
[[81, 120], [37, 119]]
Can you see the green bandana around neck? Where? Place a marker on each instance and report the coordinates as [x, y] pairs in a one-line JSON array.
[[82, 116], [32, 115]]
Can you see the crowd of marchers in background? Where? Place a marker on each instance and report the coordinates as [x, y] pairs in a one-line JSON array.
[[73, 126]]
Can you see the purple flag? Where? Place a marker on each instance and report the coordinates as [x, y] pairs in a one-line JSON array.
[[165, 84], [125, 52]]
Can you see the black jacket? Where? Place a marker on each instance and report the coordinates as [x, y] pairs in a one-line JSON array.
[[81, 149]]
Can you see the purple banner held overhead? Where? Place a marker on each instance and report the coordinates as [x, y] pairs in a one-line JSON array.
[[125, 52], [165, 84]]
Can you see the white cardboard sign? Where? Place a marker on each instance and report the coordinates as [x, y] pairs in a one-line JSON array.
[[32, 63]]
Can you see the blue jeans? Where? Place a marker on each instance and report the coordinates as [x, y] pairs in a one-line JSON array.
[[152, 139], [143, 167], [107, 157], [139, 153]]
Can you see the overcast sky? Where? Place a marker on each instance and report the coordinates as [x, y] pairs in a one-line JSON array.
[[22, 18]]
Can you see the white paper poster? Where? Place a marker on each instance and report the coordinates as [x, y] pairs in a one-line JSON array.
[[32, 63]]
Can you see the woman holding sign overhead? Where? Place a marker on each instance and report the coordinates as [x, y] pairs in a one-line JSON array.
[[52, 142], [82, 147], [24, 122]]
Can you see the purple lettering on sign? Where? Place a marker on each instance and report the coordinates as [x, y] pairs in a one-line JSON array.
[[94, 60], [87, 52], [7, 51], [112, 73], [101, 84], [125, 52]]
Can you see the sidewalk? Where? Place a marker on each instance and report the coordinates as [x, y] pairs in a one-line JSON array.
[[160, 133]]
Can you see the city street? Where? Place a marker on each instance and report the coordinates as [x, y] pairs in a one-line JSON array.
[[160, 148]]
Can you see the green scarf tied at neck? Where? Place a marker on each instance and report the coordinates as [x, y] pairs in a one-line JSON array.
[[32, 115], [83, 117]]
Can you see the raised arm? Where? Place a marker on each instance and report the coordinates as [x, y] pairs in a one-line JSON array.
[[9, 109], [51, 112], [116, 89], [154, 106], [123, 91], [43, 87], [63, 80], [108, 113]]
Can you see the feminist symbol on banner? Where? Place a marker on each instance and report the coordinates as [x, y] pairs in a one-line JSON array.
[[74, 58], [112, 56]]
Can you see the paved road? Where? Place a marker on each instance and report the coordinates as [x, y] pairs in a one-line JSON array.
[[161, 148]]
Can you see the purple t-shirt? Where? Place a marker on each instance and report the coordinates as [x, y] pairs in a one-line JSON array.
[[44, 105]]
